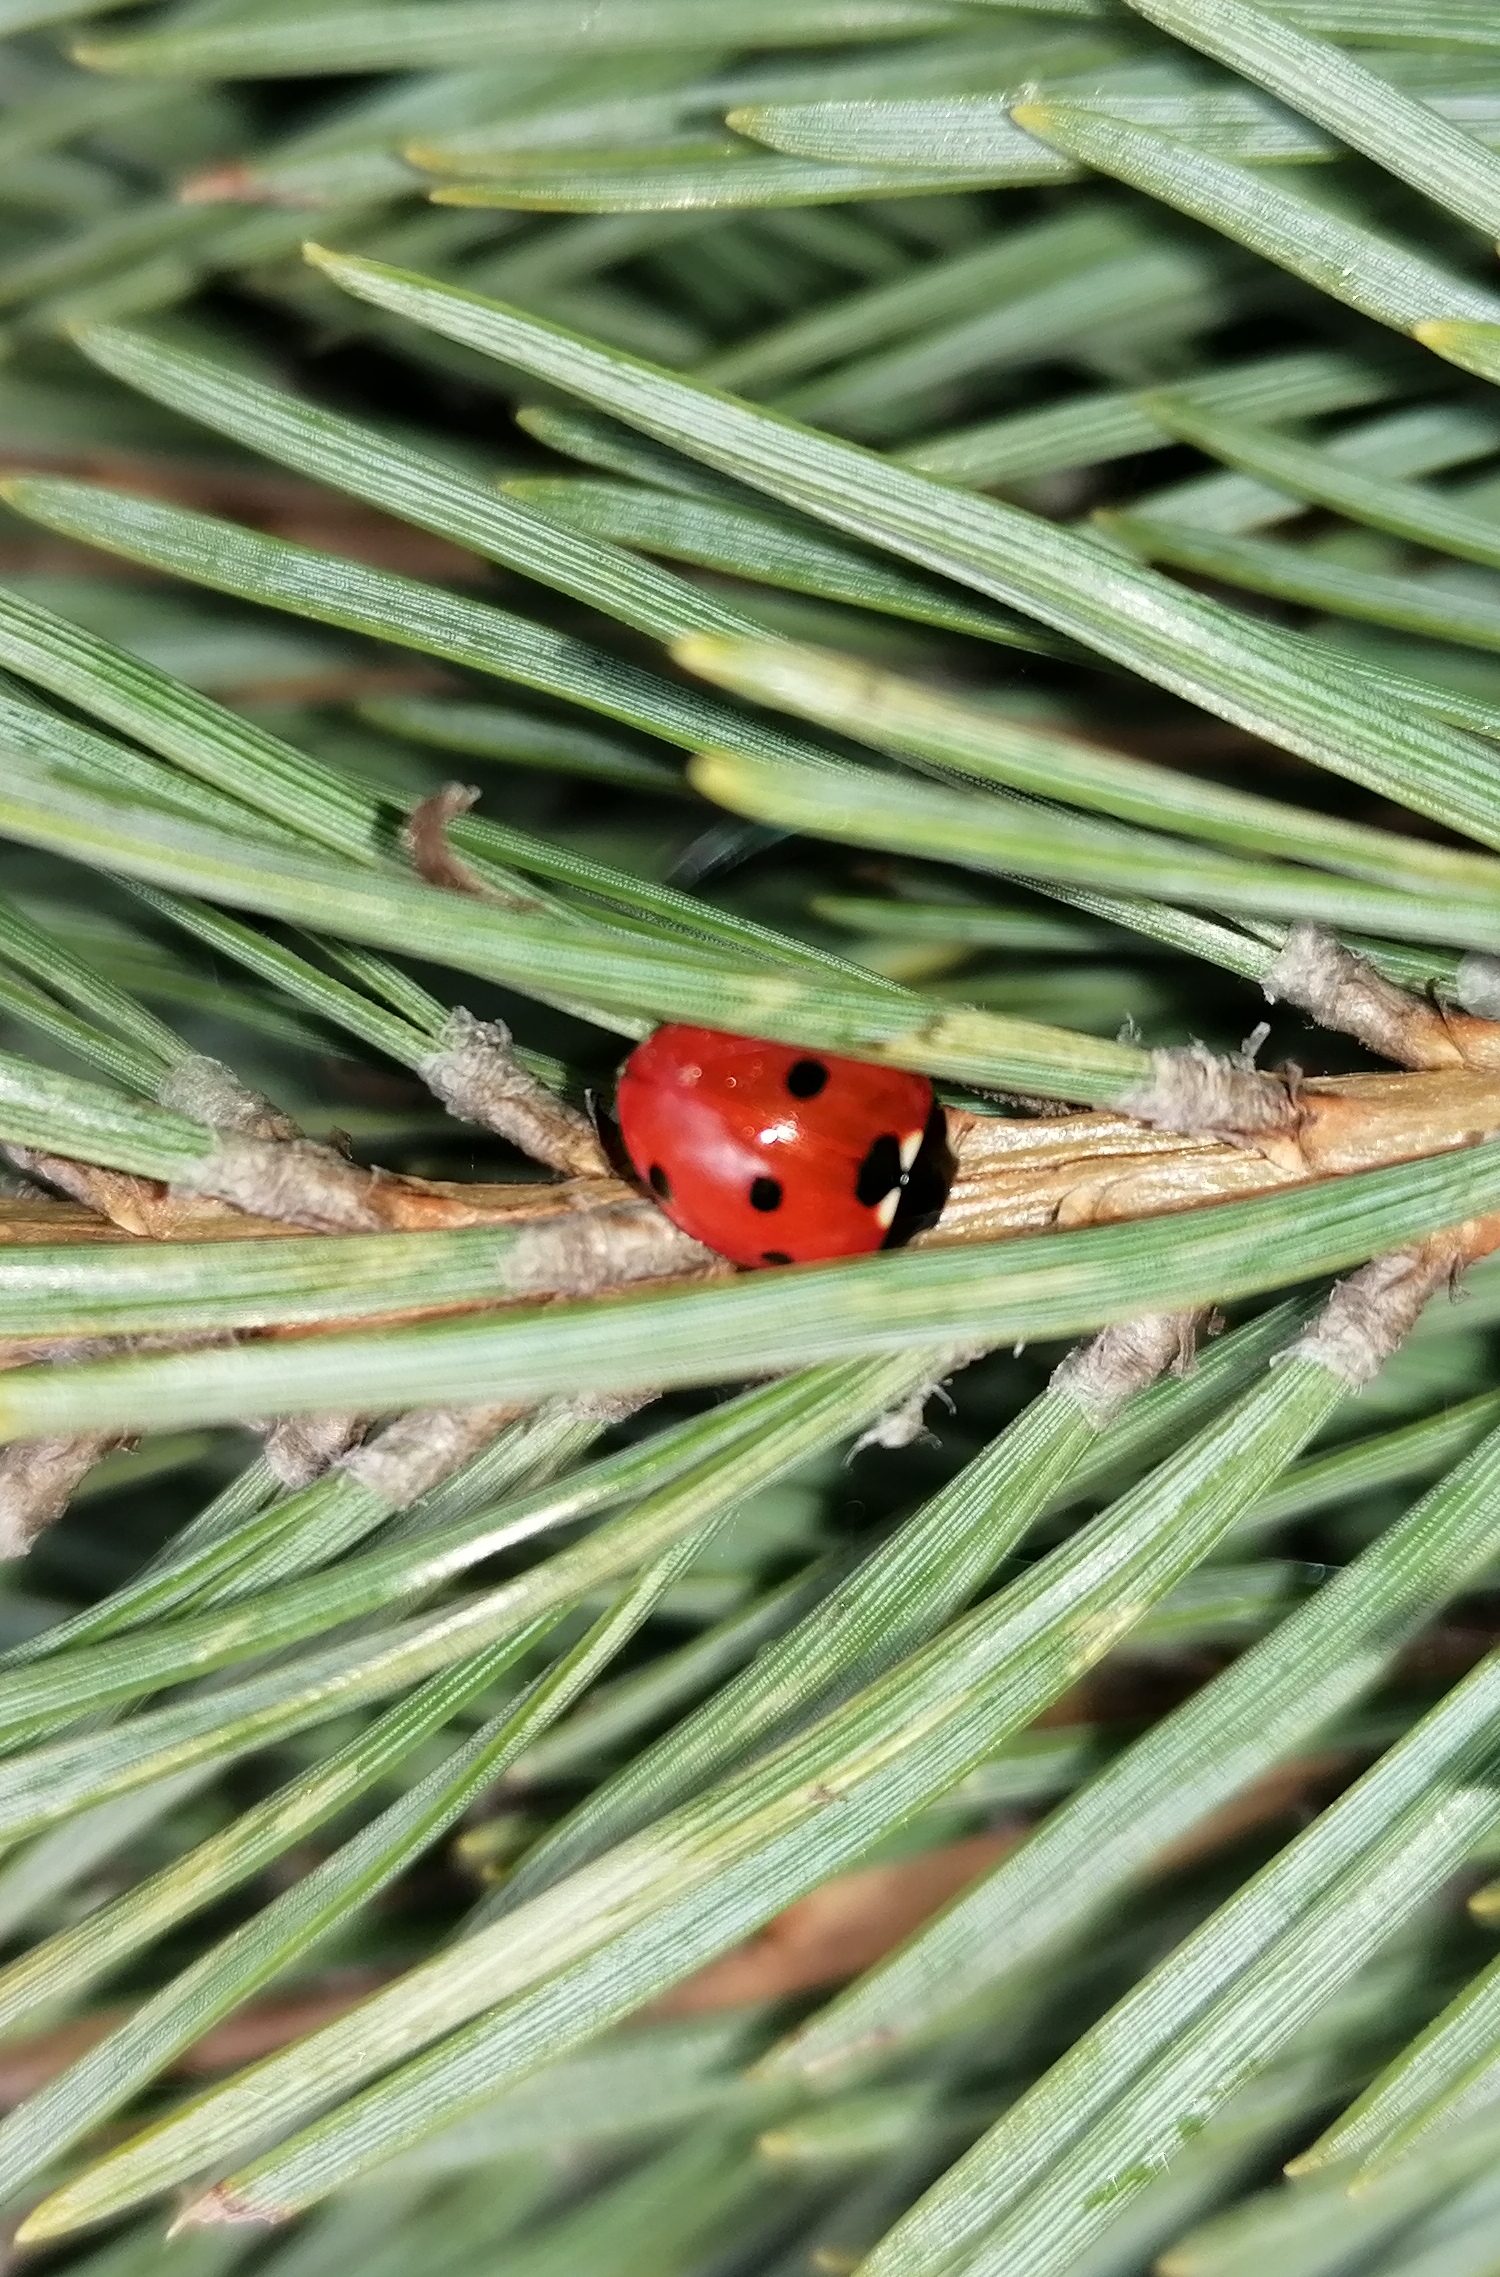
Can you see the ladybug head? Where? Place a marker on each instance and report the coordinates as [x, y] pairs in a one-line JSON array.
[[611, 1138], [927, 1184]]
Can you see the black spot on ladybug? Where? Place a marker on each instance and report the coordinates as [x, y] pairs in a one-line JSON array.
[[660, 1182], [765, 1194], [774, 1257], [805, 1078], [880, 1170]]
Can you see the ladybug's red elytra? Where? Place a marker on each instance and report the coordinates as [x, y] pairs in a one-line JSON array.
[[774, 1155]]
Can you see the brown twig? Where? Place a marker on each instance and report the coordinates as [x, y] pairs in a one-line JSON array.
[[201, 1088], [1100, 1168], [1015, 1176], [38, 1479], [1343, 991], [591, 1234], [142, 1207], [40, 1219]]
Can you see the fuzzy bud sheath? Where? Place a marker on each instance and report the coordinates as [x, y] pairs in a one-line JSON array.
[[1191, 1089], [905, 1424], [293, 1181], [207, 1091], [38, 1479], [1102, 1375], [477, 1075], [300, 1448], [1371, 1314], [417, 1451]]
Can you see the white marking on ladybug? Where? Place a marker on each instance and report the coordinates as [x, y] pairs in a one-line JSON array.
[[911, 1147], [886, 1210]]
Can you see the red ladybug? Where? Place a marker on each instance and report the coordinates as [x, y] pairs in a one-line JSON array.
[[776, 1156]]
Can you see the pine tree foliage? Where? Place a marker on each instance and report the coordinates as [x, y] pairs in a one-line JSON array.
[[960, 534]]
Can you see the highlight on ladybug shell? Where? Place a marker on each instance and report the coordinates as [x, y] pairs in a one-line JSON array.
[[776, 1155]]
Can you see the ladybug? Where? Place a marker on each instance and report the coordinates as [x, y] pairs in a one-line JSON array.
[[775, 1156]]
